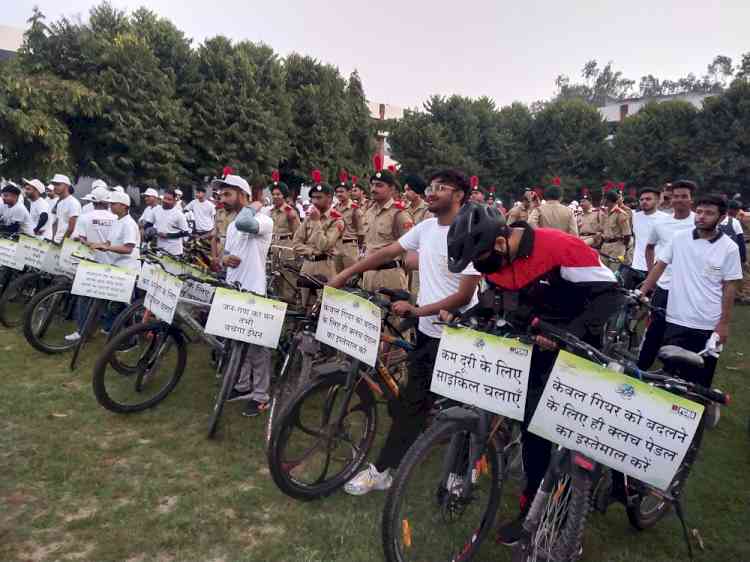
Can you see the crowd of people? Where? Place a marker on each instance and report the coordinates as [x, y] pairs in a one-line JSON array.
[[441, 239]]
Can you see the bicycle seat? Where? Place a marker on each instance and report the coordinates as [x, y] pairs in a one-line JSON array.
[[677, 358], [395, 295]]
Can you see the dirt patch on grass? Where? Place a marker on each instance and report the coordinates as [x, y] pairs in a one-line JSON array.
[[167, 504], [82, 513]]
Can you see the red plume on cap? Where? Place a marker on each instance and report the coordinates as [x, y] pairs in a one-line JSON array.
[[539, 191], [316, 176], [621, 185], [608, 186], [556, 180], [492, 189], [474, 181], [354, 179], [392, 168], [343, 176], [377, 163], [228, 170], [275, 176]]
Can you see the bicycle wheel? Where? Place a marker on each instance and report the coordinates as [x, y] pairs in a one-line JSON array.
[[132, 315], [18, 294], [231, 372], [427, 515], [560, 532], [49, 317], [161, 357], [87, 331], [322, 437]]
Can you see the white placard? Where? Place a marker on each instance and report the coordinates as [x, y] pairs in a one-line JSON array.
[[246, 317], [68, 263], [144, 279], [201, 292], [483, 370], [8, 249], [31, 251], [103, 281], [617, 420], [51, 261], [163, 294], [350, 324]]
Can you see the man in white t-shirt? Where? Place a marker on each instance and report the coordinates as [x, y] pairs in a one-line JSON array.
[[88, 206], [705, 272], [66, 208], [662, 231], [245, 251], [203, 212], [151, 199], [439, 290], [170, 224], [93, 228], [39, 212], [643, 222], [15, 219]]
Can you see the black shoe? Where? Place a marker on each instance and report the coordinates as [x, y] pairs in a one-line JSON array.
[[510, 533], [236, 395], [253, 409]]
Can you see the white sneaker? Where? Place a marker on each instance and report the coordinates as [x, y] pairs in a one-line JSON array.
[[367, 480], [75, 336]]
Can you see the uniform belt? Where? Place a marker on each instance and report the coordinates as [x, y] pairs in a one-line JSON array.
[[316, 258], [284, 237], [589, 233], [611, 240], [350, 241], [390, 265]]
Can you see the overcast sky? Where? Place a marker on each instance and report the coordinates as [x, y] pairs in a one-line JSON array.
[[507, 49]]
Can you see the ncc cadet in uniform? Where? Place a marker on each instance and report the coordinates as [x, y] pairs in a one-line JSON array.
[[616, 229], [347, 250], [414, 188], [319, 234], [590, 223], [286, 222], [554, 214], [520, 213], [386, 221]]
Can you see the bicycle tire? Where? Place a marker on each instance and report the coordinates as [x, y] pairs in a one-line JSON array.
[[89, 325], [281, 471], [567, 547], [60, 297], [124, 320], [396, 528], [159, 332], [231, 374]]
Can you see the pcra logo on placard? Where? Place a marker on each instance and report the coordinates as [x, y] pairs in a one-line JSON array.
[[627, 391], [519, 351], [479, 343], [684, 412]]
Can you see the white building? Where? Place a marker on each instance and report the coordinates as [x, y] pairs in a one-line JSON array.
[[617, 111]]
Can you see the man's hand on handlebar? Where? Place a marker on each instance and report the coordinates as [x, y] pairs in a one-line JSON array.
[[545, 343], [339, 281], [403, 309]]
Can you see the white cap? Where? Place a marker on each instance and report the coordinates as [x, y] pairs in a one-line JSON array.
[[99, 183], [117, 188], [151, 192], [88, 197], [119, 197], [234, 181], [60, 178], [100, 195], [178, 192], [50, 187], [35, 183]]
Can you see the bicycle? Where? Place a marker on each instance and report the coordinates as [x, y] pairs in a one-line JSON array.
[[19, 292], [326, 410]]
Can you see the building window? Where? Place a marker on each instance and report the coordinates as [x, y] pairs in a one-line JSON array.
[[623, 111]]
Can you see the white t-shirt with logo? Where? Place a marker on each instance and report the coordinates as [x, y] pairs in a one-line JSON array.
[[17, 214], [64, 210], [662, 232], [203, 214], [642, 224], [125, 231], [430, 240], [87, 208], [252, 249], [148, 215], [699, 267], [95, 227], [170, 221], [37, 208], [736, 226]]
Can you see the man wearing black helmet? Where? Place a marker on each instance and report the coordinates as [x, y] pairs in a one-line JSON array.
[[543, 273], [439, 290]]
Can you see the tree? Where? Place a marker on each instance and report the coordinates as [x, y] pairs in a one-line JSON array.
[[600, 85], [361, 129], [655, 145]]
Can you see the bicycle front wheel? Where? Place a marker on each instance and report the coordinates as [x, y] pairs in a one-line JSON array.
[[231, 372], [429, 514], [49, 317], [322, 437], [130, 316], [17, 295], [159, 352]]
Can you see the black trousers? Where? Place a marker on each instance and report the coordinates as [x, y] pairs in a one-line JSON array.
[[654, 337], [409, 413], [631, 278], [695, 340]]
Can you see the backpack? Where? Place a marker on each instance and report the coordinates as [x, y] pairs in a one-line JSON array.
[[739, 239]]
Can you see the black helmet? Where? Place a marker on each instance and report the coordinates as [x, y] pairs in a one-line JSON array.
[[472, 233]]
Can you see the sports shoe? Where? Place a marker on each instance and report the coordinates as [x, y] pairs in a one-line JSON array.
[[75, 336], [238, 395], [253, 408], [367, 480]]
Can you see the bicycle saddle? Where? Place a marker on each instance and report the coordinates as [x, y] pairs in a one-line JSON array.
[[675, 357]]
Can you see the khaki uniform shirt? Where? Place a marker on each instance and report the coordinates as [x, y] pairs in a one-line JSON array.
[[516, 214], [420, 212], [385, 225], [616, 225], [317, 238], [352, 217], [222, 221], [554, 214], [285, 224], [590, 223]]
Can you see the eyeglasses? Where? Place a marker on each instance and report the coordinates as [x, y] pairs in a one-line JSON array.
[[438, 188]]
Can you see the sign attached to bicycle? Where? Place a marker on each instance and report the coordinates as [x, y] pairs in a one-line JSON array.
[[69, 263], [616, 420], [483, 370], [246, 317], [103, 281], [162, 293], [350, 324], [31, 251], [8, 249]]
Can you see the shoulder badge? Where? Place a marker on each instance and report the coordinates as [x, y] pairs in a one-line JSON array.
[[334, 214], [354, 205], [400, 205]]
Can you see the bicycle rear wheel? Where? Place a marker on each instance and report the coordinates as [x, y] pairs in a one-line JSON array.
[[87, 331], [131, 316], [18, 294], [231, 372], [322, 437], [49, 317], [159, 352]]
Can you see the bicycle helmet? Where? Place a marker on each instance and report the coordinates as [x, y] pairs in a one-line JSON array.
[[472, 233]]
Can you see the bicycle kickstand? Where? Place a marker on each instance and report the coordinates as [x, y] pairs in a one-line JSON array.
[[681, 515]]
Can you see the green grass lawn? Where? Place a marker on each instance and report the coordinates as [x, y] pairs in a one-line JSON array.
[[80, 483]]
